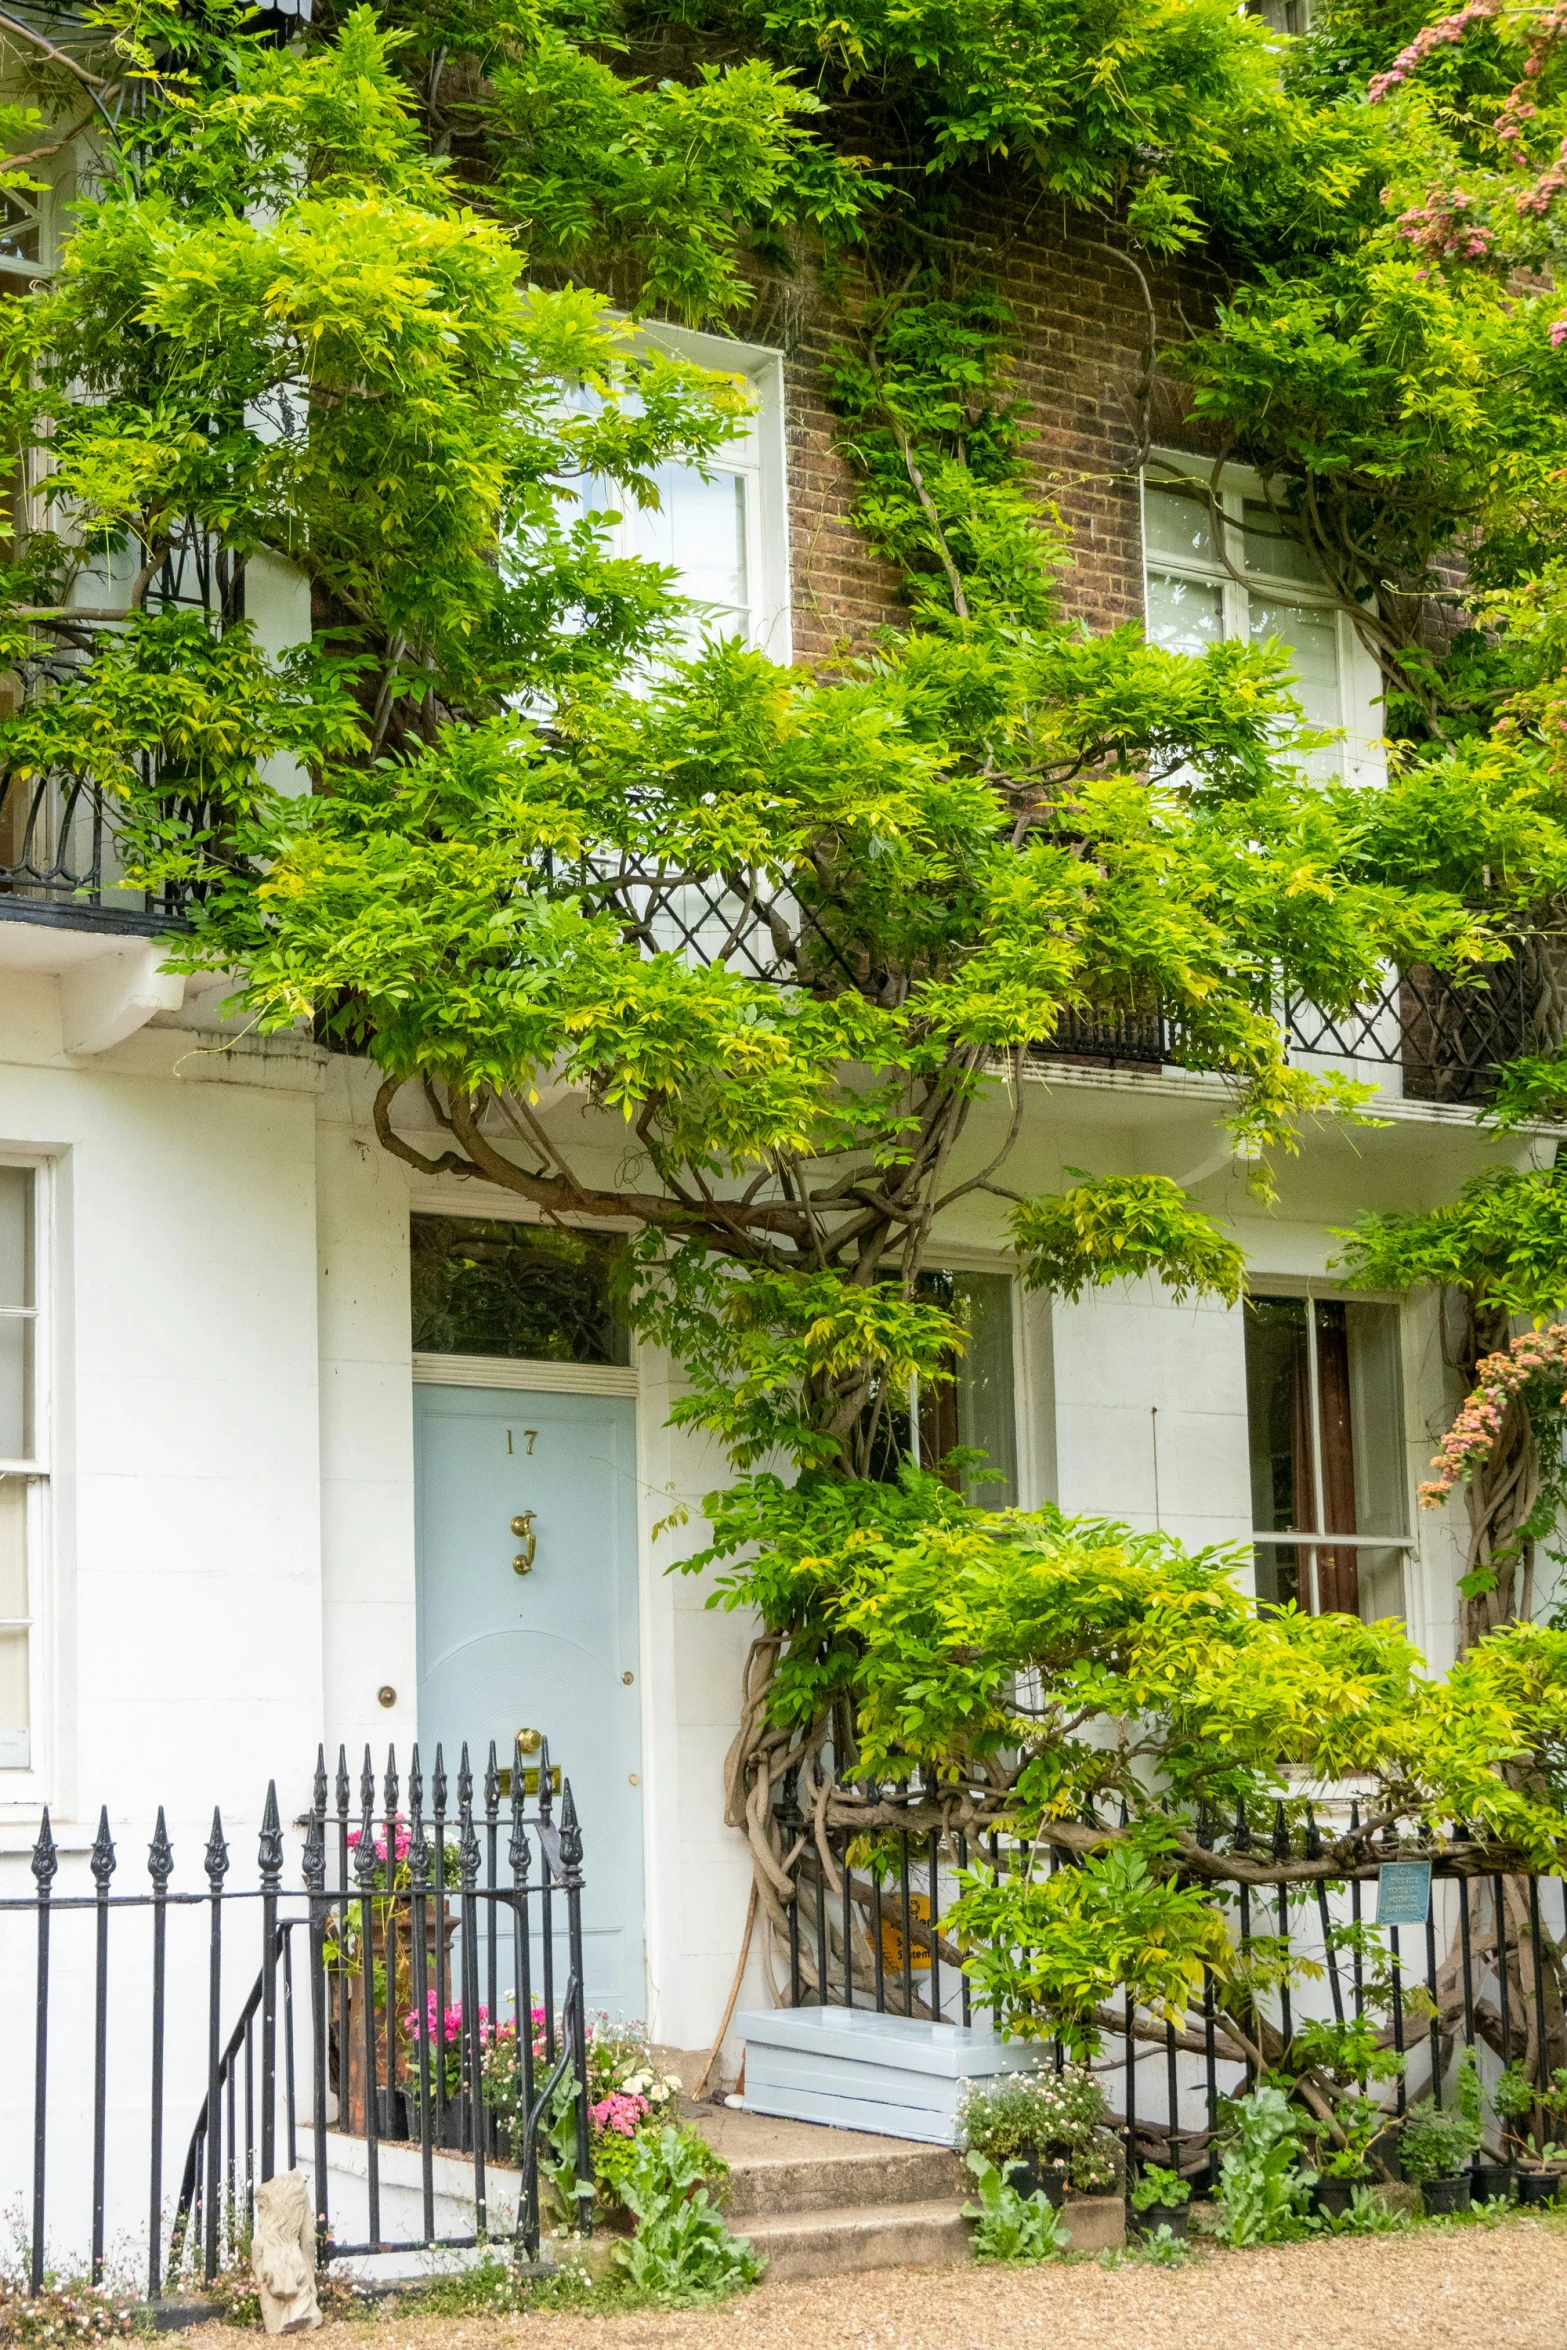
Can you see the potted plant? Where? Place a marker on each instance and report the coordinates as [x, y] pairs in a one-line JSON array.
[[1159, 2200], [1436, 2142], [1517, 2098], [1540, 2181], [1045, 2132], [1341, 2162]]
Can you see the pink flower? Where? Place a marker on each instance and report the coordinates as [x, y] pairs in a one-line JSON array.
[[1558, 333], [445, 2025], [620, 2111]]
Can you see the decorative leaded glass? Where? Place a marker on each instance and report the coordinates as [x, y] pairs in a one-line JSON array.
[[531, 1292]]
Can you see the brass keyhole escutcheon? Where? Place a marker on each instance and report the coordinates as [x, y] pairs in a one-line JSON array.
[[530, 1741], [522, 1525]]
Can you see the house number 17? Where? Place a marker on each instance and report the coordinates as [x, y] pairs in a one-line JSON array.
[[530, 1433]]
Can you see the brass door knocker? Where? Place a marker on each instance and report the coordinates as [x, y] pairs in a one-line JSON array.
[[522, 1564]]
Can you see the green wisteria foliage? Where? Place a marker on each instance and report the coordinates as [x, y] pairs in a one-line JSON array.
[[343, 308]]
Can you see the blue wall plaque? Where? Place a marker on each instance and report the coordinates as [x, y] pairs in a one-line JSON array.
[[1403, 1892]]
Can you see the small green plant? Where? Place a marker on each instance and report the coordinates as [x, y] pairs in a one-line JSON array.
[[1162, 2249], [1436, 2141], [1361, 2120], [1261, 2187], [1011, 2226], [1155, 2185], [1516, 2096], [682, 2253], [1367, 2215]]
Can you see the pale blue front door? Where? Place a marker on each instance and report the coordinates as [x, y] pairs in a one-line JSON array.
[[553, 1650]]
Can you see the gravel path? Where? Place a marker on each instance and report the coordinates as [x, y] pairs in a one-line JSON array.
[[1503, 2287]]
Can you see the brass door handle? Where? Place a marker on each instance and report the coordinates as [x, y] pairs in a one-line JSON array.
[[522, 1564]]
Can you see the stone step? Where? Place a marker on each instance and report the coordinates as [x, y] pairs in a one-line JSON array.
[[784, 2184], [859, 2236]]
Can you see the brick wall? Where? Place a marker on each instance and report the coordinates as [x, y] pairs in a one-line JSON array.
[[1083, 334]]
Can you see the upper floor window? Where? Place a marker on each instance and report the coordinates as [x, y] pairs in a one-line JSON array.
[[1260, 582], [1325, 1416], [722, 529]]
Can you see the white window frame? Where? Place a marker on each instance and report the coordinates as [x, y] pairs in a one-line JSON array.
[[28, 1783], [1363, 756], [1272, 1538], [758, 453]]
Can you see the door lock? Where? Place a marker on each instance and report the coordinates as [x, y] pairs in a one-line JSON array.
[[522, 1525]]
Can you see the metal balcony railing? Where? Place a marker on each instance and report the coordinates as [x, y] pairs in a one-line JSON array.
[[62, 862]]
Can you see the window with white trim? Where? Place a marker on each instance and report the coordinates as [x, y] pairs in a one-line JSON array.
[[1259, 583], [722, 529], [21, 1459], [1325, 1419]]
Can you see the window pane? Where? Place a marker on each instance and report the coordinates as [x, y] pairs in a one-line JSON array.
[[699, 527], [986, 1412], [14, 1709], [1277, 1569], [976, 1409], [1278, 1414], [1184, 615], [529, 1292], [1381, 1585], [16, 1330], [1312, 641], [1376, 1406], [1270, 548], [1178, 522]]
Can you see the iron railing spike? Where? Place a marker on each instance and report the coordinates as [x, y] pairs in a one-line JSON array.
[[392, 1784], [313, 1858], [415, 1781], [102, 1857], [570, 1833], [216, 1856], [269, 1858], [46, 1859], [318, 1790], [438, 1782], [160, 1854], [343, 1782], [464, 1779], [367, 1781], [546, 1784]]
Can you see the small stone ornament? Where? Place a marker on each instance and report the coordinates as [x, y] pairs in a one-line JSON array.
[[283, 2255]]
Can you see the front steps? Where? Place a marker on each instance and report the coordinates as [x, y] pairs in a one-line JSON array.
[[818, 2202], [822, 2202]]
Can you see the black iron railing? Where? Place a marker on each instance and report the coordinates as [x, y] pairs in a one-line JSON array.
[[375, 2015], [1489, 1968], [62, 861]]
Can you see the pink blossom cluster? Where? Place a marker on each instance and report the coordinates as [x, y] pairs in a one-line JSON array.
[[1429, 38], [1442, 227], [1539, 198], [401, 1840], [443, 2025], [621, 2110], [1538, 1354]]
